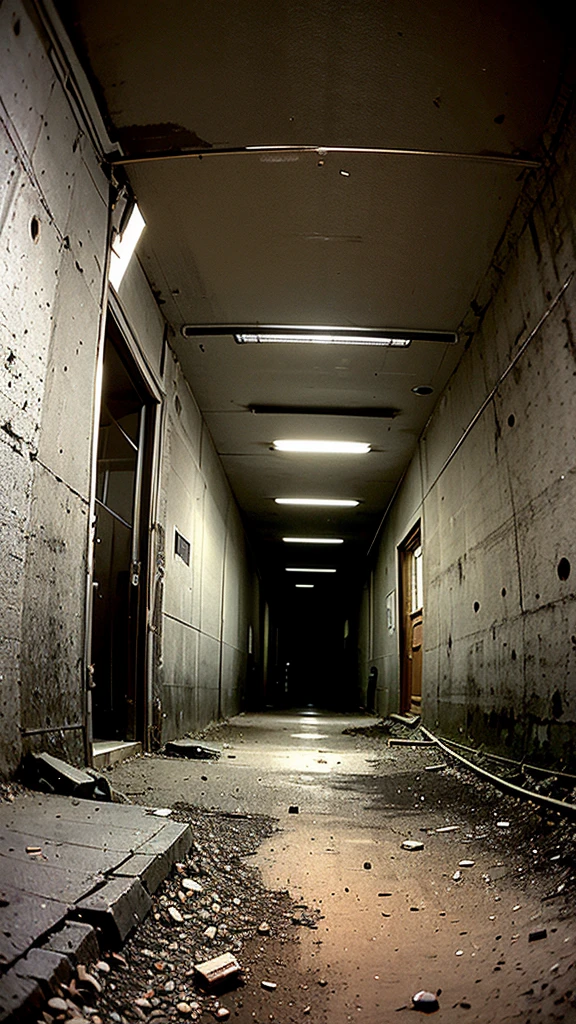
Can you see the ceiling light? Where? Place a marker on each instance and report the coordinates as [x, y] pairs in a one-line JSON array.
[[313, 540], [323, 447], [340, 502], [292, 569], [304, 586], [321, 339], [310, 335], [124, 245]]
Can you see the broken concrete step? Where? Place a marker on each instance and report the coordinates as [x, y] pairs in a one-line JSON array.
[[19, 998], [76, 940], [116, 908], [49, 773], [150, 868], [173, 839], [48, 968]]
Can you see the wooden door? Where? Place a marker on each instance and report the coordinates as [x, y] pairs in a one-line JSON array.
[[412, 601]]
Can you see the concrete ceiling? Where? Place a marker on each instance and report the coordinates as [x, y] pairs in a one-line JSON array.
[[398, 241]]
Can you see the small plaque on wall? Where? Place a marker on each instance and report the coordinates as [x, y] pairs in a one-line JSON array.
[[182, 547]]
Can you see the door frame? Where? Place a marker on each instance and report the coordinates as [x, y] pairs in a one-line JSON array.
[[411, 542], [116, 322]]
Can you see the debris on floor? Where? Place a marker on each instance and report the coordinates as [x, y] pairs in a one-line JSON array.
[[425, 1001], [213, 973], [52, 775], [192, 749], [186, 952]]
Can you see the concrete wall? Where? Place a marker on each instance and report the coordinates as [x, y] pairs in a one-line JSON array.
[[207, 605], [53, 223], [499, 523], [54, 200]]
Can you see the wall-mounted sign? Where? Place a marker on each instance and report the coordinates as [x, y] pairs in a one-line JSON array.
[[182, 547]]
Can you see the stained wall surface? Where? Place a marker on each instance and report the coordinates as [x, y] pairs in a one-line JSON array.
[[54, 200], [53, 225], [498, 521]]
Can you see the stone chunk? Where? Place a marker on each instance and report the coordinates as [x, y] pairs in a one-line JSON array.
[[221, 968], [412, 844], [189, 748], [52, 775], [425, 1001]]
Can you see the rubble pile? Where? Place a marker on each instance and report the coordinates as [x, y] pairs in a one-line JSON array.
[[192, 948]]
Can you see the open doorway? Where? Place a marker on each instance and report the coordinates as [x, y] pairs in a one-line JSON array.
[[411, 634], [121, 547]]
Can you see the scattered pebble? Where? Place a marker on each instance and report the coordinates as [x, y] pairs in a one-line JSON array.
[[425, 1001]]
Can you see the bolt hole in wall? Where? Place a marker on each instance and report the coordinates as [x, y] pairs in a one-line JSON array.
[[511, 419], [35, 229], [476, 606], [564, 568], [16, 27]]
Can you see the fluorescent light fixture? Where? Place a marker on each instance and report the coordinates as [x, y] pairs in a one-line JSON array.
[[318, 334], [291, 569], [321, 339], [313, 540], [323, 447], [124, 245], [332, 502], [304, 586]]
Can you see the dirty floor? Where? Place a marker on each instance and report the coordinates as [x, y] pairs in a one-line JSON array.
[[483, 915]]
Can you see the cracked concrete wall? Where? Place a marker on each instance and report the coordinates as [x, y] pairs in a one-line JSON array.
[[499, 522], [53, 235], [53, 218]]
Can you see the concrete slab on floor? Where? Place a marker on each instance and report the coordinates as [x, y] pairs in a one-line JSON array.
[[71, 872], [109, 752]]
